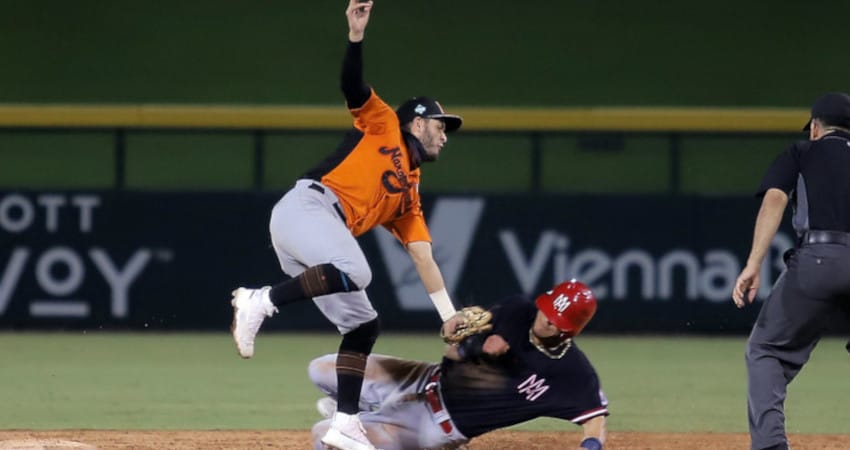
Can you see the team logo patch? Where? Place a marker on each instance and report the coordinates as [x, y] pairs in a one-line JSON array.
[[561, 303], [420, 109], [532, 387]]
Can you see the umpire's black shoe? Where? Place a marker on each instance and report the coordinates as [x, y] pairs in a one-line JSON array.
[[782, 446]]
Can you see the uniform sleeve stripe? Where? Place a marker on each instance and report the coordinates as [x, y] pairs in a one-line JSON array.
[[590, 414]]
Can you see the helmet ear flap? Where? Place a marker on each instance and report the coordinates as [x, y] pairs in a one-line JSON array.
[[569, 306]]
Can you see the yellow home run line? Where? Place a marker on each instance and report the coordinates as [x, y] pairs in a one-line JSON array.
[[336, 117]]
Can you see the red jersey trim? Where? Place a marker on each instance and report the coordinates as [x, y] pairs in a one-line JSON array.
[[601, 411]]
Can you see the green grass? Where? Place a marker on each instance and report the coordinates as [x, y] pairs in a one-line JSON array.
[[196, 381]]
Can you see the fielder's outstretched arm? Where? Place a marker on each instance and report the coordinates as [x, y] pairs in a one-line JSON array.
[[423, 259]]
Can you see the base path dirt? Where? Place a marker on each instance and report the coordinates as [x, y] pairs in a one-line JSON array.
[[300, 440]]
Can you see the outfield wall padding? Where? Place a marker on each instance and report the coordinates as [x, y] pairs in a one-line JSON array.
[[168, 261]]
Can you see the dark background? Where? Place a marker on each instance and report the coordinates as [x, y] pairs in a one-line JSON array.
[[203, 245]]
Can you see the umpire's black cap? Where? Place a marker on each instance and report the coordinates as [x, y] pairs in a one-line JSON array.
[[833, 109], [428, 108]]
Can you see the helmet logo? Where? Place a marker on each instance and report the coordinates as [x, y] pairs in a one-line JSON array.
[[561, 303], [420, 109]]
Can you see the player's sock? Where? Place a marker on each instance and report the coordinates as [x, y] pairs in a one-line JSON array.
[[315, 281], [350, 368], [354, 350]]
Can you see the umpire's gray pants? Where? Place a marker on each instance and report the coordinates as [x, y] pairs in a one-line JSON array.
[[814, 288]]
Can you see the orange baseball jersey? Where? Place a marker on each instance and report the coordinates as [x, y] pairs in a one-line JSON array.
[[374, 177]]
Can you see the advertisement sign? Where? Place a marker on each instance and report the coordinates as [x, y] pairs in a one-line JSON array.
[[168, 261]]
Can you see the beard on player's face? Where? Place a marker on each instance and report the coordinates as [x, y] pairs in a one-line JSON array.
[[432, 149], [430, 156], [551, 341], [431, 137], [547, 334]]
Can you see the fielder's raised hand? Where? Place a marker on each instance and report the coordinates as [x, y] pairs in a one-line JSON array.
[[358, 17]]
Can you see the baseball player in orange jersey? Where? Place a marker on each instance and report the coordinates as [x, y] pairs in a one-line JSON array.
[[372, 179]]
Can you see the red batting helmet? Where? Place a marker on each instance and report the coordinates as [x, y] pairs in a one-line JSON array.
[[569, 306]]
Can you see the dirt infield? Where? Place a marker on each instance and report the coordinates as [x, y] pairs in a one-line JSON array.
[[300, 440]]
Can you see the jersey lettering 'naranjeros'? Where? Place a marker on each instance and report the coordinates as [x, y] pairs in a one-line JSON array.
[[375, 174]]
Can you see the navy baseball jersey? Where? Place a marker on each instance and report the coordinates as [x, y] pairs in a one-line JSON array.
[[523, 384]]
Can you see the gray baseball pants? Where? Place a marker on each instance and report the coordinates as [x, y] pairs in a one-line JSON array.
[[814, 288], [392, 410], [307, 230]]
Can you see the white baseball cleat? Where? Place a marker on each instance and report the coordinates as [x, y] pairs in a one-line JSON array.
[[326, 407], [250, 308], [346, 433]]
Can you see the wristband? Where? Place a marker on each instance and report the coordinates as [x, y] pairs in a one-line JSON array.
[[591, 443], [443, 304]]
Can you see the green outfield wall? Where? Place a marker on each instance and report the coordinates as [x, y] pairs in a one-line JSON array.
[[542, 149], [187, 88], [467, 53]]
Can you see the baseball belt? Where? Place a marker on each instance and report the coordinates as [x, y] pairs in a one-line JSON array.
[[321, 189], [826, 237], [432, 399]]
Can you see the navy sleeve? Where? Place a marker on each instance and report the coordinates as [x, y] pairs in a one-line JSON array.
[[783, 172], [355, 90], [512, 318], [505, 310]]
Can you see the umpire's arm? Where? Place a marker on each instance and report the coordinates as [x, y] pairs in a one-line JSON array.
[[767, 223]]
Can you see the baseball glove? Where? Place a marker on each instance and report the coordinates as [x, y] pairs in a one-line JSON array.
[[476, 320]]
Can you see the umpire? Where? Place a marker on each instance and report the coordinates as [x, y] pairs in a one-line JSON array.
[[814, 176]]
